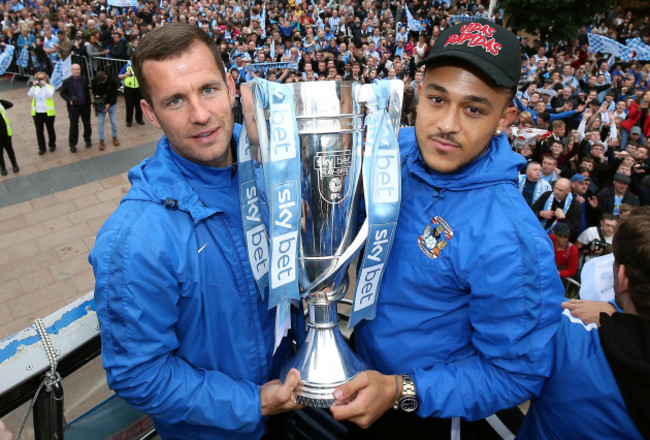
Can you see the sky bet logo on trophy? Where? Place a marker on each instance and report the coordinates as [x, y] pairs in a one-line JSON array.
[[303, 167]]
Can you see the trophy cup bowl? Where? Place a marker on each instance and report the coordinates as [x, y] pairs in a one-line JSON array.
[[330, 125]]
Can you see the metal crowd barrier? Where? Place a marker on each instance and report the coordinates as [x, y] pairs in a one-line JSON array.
[[110, 66], [89, 67]]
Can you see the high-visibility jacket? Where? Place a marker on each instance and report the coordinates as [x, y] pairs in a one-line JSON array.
[[49, 105], [4, 116], [131, 81]]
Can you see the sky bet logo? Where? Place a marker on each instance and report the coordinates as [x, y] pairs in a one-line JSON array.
[[385, 177], [283, 133], [256, 240], [371, 276], [285, 234]]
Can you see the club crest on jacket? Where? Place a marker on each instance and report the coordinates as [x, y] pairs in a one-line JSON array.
[[435, 237]]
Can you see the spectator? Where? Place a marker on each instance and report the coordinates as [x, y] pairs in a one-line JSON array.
[[43, 111], [638, 116], [559, 205], [566, 254], [550, 172], [76, 93], [610, 198], [94, 51], [531, 185], [63, 45], [117, 49], [105, 102], [596, 240]]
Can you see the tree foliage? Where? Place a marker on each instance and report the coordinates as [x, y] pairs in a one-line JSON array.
[[553, 20]]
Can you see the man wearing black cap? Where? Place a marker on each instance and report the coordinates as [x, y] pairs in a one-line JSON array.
[[467, 306], [611, 197]]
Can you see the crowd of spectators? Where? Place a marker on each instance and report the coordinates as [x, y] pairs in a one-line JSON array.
[[595, 108]]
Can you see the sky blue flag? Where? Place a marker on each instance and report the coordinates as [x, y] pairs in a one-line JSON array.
[[23, 59], [414, 25], [598, 43], [62, 70], [641, 49], [6, 57]]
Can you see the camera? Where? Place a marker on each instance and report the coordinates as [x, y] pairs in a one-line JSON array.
[[99, 105], [596, 246]]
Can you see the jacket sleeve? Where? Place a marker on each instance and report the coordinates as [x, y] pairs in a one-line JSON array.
[[137, 295], [538, 206], [514, 310], [65, 93]]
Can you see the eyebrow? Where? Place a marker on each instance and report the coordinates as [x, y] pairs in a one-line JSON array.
[[470, 98]]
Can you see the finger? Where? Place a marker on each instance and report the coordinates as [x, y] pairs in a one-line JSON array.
[[346, 390], [292, 380], [347, 410]]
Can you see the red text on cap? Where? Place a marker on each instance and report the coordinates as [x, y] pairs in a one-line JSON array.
[[476, 35]]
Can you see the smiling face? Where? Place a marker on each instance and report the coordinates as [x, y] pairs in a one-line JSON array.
[[458, 113], [190, 101]]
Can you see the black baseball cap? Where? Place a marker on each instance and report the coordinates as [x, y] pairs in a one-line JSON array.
[[490, 48]]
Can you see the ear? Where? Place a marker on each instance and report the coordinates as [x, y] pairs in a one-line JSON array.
[[623, 280], [507, 117], [149, 113], [231, 88]]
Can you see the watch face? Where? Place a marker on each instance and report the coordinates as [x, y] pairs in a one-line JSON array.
[[409, 404]]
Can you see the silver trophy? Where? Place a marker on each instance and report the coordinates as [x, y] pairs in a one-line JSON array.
[[330, 123]]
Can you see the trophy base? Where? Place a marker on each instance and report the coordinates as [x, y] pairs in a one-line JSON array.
[[325, 361]]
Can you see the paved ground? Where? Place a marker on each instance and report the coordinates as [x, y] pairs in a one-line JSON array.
[[50, 212]]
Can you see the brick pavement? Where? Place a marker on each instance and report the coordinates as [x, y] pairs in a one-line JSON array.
[[51, 210]]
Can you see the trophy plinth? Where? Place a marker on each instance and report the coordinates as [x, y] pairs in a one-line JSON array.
[[324, 359]]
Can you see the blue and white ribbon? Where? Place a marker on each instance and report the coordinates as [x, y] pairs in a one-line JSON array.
[[382, 186], [282, 175], [252, 215]]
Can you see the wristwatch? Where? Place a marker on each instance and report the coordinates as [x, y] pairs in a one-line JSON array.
[[409, 400]]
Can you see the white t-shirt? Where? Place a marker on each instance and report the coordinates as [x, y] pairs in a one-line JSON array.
[[589, 235]]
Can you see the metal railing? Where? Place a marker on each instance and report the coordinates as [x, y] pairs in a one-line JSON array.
[[89, 67]]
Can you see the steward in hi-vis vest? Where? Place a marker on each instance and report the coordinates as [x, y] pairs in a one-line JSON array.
[[43, 111], [132, 95]]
